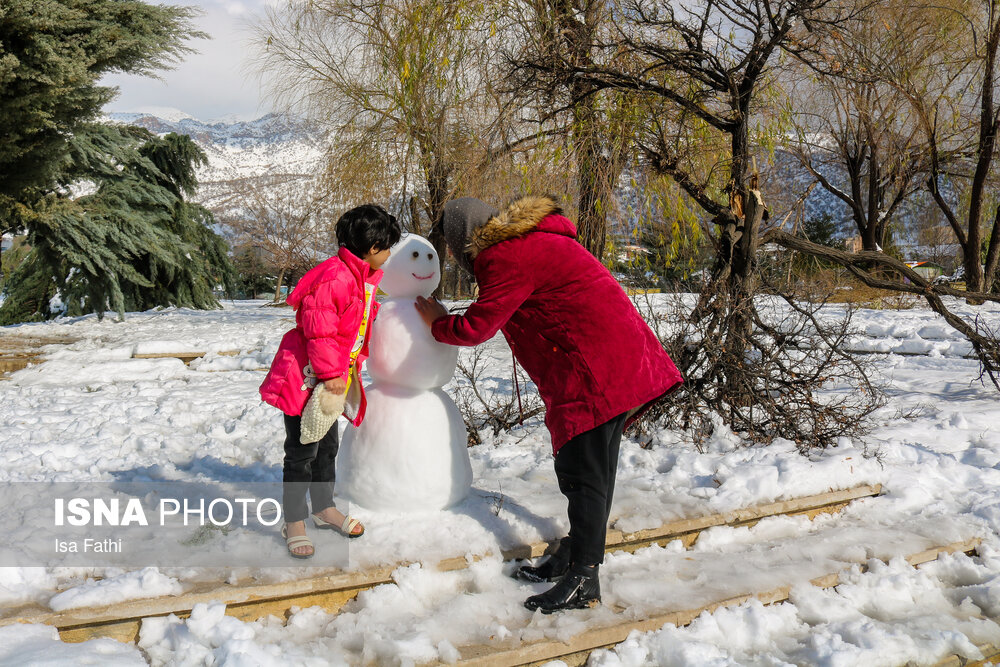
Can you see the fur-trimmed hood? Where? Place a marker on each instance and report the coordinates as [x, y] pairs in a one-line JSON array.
[[520, 217], [471, 226]]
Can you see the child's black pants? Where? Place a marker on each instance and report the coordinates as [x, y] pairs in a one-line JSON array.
[[586, 468], [309, 468]]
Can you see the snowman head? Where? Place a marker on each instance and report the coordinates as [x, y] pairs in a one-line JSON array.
[[412, 268]]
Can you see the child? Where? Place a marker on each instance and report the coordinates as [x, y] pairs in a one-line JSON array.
[[334, 307], [595, 361]]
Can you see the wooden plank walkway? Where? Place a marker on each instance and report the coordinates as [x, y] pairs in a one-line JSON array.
[[332, 590], [18, 351], [576, 650]]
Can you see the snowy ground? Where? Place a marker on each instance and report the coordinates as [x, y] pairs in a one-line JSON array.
[[91, 412]]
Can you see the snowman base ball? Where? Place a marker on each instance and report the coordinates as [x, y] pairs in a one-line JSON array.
[[431, 472]]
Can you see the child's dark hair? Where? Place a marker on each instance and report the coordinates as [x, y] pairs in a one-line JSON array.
[[365, 227]]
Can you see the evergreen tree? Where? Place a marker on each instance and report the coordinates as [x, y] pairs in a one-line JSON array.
[[822, 229], [131, 241], [52, 54], [254, 275]]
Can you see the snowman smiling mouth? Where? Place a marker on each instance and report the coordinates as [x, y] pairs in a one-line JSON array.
[[427, 277]]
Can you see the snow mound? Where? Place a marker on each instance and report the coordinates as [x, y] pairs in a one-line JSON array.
[[39, 646], [146, 583]]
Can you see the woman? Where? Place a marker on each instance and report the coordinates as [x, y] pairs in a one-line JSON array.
[[595, 361]]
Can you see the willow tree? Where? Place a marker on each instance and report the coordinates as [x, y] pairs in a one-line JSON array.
[[399, 83], [551, 42]]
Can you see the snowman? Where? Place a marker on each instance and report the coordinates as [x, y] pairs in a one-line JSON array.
[[411, 452]]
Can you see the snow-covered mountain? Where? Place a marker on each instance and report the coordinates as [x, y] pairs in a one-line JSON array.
[[275, 144], [279, 145]]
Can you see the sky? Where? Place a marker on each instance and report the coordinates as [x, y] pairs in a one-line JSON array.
[[214, 83]]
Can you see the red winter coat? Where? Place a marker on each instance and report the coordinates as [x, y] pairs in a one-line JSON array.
[[569, 323], [329, 303]]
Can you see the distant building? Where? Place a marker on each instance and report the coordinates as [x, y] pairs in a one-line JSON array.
[[853, 244], [629, 252], [946, 255], [927, 270]]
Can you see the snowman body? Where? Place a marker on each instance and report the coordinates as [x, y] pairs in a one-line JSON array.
[[411, 452]]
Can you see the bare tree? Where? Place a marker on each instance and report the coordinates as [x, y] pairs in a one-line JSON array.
[[985, 341], [954, 97], [707, 66], [702, 72], [856, 134], [288, 218], [806, 386], [497, 403], [945, 73]]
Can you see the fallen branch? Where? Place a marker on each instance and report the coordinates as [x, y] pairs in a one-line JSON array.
[[984, 341]]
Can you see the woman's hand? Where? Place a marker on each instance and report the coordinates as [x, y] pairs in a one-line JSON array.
[[430, 309], [336, 386]]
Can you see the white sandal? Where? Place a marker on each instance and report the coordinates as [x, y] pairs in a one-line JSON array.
[[346, 528], [297, 541]]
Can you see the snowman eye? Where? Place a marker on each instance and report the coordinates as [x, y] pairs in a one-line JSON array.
[[416, 254], [430, 256]]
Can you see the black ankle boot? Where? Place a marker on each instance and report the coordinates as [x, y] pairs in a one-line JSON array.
[[553, 569], [579, 589]]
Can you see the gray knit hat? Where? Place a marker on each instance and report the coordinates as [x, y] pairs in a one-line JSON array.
[[461, 218]]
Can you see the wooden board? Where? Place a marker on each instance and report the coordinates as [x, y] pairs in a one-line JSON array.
[[687, 530], [332, 589], [186, 357], [540, 652], [13, 364], [18, 351], [991, 655]]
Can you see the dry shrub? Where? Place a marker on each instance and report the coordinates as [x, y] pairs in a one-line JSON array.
[[490, 401], [858, 294], [795, 381]]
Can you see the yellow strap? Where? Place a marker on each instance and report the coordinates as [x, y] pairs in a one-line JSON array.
[[361, 334]]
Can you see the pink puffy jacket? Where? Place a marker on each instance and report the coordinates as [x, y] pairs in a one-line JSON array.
[[329, 303]]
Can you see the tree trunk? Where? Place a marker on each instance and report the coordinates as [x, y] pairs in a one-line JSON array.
[[744, 246], [872, 227], [415, 226], [747, 210], [437, 189], [987, 143], [595, 182], [728, 298], [277, 287], [993, 256], [592, 178]]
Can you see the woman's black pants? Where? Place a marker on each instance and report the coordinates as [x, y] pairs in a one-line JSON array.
[[309, 468], [586, 468]]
